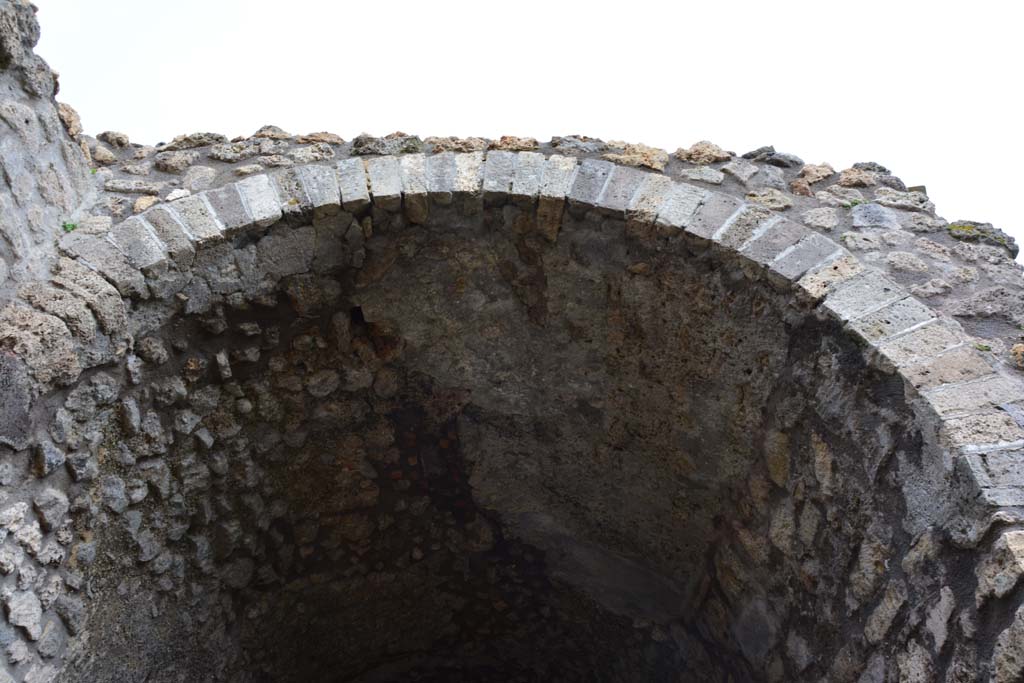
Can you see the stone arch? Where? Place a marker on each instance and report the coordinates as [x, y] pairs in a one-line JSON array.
[[854, 486]]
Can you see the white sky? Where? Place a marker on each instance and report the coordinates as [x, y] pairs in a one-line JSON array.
[[930, 89]]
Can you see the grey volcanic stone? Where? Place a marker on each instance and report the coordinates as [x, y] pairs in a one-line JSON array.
[[48, 458], [24, 611], [15, 400], [52, 505]]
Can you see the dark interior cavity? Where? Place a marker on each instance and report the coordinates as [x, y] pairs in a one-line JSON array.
[[484, 457]]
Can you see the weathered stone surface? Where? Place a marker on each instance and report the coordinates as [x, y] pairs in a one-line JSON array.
[[874, 216], [811, 252], [454, 144], [527, 177], [198, 219], [395, 143], [51, 504], [42, 342], [591, 176], [622, 184], [63, 304], [102, 256], [174, 162], [15, 401], [45, 177], [713, 213], [647, 199], [743, 226], [680, 206], [512, 143], [415, 190], [193, 140], [640, 155], [862, 294], [468, 175], [296, 202], [385, 182], [260, 199], [352, 182], [230, 209], [142, 247], [499, 169], [740, 169], [892, 319], [25, 612], [777, 237], [770, 198], [556, 181], [971, 231], [101, 297], [1009, 651], [705, 174], [1002, 569], [703, 152]]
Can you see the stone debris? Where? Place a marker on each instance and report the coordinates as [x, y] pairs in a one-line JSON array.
[[639, 155], [703, 153]]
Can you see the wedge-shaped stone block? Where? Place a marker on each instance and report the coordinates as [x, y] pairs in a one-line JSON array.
[[921, 344], [809, 253], [527, 177], [643, 207], [140, 245], [352, 182], [860, 295], [101, 297], [468, 173], [619, 190], [982, 430], [590, 180], [105, 258], [260, 199], [199, 219], [555, 183], [169, 228], [441, 177], [890, 320], [499, 168], [769, 243], [414, 187], [1006, 468], [385, 182], [321, 185], [295, 200], [987, 392], [744, 226], [1002, 497], [230, 209], [961, 364], [713, 213], [837, 266], [680, 206]]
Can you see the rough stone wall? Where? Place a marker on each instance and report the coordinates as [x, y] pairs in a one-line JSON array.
[[295, 408], [765, 486], [44, 171]]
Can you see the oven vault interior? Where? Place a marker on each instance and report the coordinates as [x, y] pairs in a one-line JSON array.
[[482, 456]]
